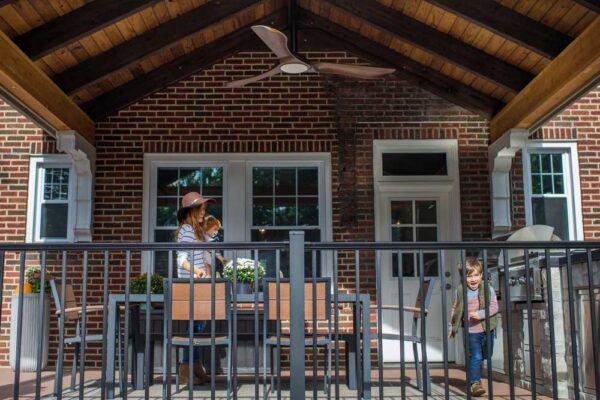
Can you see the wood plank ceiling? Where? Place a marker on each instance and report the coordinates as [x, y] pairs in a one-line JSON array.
[[106, 54]]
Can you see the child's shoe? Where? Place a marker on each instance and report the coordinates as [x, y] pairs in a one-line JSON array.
[[477, 389]]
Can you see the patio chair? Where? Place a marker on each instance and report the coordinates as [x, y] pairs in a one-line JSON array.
[[415, 336], [323, 313], [72, 313], [177, 295]]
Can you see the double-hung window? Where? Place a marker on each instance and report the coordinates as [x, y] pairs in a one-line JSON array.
[[51, 199], [552, 188]]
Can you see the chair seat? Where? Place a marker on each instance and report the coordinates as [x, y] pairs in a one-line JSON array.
[[199, 341], [308, 341], [88, 338]]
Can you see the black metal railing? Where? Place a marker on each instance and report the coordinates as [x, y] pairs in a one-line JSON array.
[[355, 272]]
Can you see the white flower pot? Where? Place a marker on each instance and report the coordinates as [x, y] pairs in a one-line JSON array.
[[30, 334]]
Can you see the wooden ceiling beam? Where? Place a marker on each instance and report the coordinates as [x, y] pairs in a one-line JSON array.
[[563, 80], [161, 77], [149, 43], [593, 5], [406, 68], [81, 22], [431, 40], [509, 24], [37, 95], [6, 2]]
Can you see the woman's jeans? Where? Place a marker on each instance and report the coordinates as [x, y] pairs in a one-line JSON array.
[[198, 328], [478, 353]]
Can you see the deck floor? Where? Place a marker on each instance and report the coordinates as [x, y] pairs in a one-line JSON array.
[[391, 387]]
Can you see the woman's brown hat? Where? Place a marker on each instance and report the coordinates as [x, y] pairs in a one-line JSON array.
[[189, 201]]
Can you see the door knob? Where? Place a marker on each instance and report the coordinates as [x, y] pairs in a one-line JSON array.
[[448, 274], [448, 286]]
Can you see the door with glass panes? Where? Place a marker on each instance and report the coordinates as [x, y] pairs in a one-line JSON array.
[[410, 219]]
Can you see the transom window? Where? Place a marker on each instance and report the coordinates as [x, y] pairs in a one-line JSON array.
[[414, 221]]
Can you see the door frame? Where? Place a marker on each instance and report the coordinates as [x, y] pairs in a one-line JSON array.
[[445, 188]]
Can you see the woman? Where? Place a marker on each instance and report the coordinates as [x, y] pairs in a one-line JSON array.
[[191, 217]]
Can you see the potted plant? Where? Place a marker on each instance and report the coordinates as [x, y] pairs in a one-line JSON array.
[[244, 273], [32, 314], [137, 285]]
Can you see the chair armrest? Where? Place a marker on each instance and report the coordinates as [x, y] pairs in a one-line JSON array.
[[92, 308], [397, 308]]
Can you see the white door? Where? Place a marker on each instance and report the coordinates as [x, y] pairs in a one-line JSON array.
[[410, 219]]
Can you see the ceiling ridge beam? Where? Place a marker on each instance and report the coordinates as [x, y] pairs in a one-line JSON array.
[[186, 65], [593, 5], [147, 44], [83, 21], [509, 24], [34, 94], [566, 77], [431, 40], [424, 77]]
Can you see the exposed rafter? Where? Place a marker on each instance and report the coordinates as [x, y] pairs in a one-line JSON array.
[[35, 94], [566, 77], [203, 57], [591, 4], [6, 2], [407, 69], [510, 24], [148, 43], [431, 40], [73, 26]]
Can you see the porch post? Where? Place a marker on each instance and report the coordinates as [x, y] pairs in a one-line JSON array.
[[297, 365]]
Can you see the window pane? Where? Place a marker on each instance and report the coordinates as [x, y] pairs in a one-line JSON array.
[[402, 234], [546, 162], [216, 209], [426, 212], [53, 221], [430, 260], [408, 264], [308, 211], [262, 181], [414, 164], [536, 184], [535, 163], [557, 163], [212, 182], [402, 212], [285, 211], [56, 184], [308, 181], [190, 180], [426, 234], [166, 211], [552, 212], [547, 184], [166, 182], [559, 185], [285, 181], [161, 258], [262, 211]]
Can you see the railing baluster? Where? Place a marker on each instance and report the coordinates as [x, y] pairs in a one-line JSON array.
[[256, 323], [104, 327], [488, 332], [314, 323], [528, 279], [572, 322], [336, 324], [126, 321], [550, 324], [83, 326], [424, 366], [1, 281], [149, 369], [357, 327], [401, 327], [463, 261], [379, 322], [19, 326], [594, 321], [61, 329], [213, 364], [235, 330], [444, 322], [507, 306], [278, 320], [191, 306], [41, 322], [169, 327]]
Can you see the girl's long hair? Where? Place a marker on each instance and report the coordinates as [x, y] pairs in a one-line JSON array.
[[193, 220]]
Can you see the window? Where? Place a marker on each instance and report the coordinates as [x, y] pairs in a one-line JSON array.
[[51, 196], [414, 221], [551, 188], [414, 164], [171, 185]]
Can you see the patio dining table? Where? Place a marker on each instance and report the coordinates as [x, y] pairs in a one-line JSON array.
[[356, 368]]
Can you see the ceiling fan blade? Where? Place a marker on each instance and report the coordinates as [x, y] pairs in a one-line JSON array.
[[244, 82], [274, 39], [354, 71]]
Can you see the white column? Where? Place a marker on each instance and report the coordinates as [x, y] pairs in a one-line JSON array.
[[83, 155], [500, 156]]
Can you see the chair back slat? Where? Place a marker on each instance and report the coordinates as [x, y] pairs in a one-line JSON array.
[[180, 301], [322, 300], [70, 301], [427, 286]]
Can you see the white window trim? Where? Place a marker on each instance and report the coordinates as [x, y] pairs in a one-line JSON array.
[[237, 166], [571, 171], [36, 164]]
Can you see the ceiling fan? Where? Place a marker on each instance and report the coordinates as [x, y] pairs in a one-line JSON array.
[[291, 63]]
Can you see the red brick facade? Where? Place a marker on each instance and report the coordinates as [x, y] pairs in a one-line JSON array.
[[305, 113]]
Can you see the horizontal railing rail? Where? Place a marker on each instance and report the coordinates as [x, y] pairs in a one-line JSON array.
[[396, 296]]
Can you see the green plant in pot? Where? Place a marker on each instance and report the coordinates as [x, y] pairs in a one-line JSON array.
[[33, 280], [137, 285], [244, 273]]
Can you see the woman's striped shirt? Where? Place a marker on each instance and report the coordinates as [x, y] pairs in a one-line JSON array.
[[194, 257]]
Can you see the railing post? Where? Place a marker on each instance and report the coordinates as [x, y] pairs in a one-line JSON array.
[[297, 364]]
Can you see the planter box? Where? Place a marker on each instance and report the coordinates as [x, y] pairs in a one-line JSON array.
[[30, 335]]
